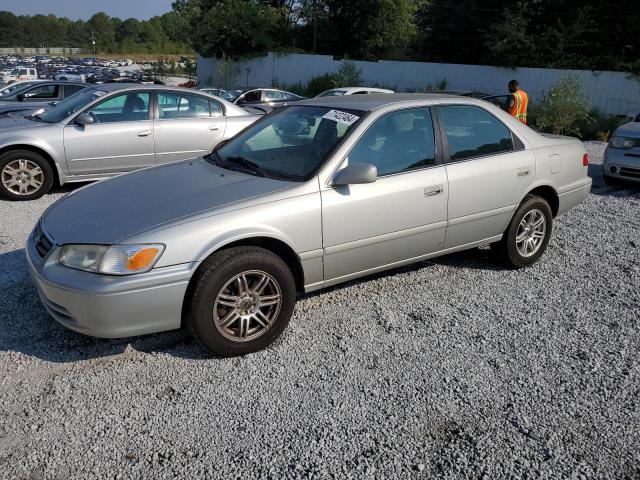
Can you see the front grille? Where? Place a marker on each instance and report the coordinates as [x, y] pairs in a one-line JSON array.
[[630, 172], [41, 241]]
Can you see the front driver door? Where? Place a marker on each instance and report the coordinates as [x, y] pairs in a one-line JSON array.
[[402, 215], [119, 140], [188, 126]]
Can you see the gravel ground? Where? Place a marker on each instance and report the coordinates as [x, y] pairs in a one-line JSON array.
[[452, 368]]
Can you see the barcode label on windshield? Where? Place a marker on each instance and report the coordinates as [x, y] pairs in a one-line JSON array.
[[341, 117]]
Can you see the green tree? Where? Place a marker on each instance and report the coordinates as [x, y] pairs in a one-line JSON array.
[[563, 108]]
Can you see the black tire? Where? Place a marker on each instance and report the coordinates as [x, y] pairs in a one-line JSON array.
[[212, 277], [507, 250], [46, 178]]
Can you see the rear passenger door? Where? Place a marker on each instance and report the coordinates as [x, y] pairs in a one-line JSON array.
[[488, 169], [187, 126], [119, 140]]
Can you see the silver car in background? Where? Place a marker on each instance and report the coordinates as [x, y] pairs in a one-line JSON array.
[[622, 156], [106, 130], [312, 195]]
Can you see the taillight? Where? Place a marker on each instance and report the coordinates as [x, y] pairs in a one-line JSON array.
[[585, 160]]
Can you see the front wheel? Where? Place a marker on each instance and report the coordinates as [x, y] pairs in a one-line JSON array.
[[528, 233], [24, 175], [240, 302]]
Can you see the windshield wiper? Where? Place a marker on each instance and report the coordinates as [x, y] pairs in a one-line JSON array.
[[247, 164]]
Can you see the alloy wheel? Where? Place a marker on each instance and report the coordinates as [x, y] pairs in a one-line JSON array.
[[531, 233], [22, 177], [247, 306]]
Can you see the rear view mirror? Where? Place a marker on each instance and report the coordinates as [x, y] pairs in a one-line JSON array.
[[356, 173], [84, 119]]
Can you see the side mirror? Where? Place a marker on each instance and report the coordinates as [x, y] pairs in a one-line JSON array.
[[84, 119], [20, 97], [356, 173]]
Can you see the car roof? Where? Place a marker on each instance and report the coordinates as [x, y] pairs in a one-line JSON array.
[[373, 102]]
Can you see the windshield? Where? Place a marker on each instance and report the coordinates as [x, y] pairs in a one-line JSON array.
[[290, 143], [70, 105], [332, 93]]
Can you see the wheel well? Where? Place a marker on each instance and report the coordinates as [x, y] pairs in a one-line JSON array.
[[277, 247], [550, 195], [39, 151]]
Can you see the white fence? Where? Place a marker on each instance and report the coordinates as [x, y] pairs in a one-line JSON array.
[[40, 51], [612, 92]]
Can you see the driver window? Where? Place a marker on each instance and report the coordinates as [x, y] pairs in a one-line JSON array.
[[398, 142], [253, 96], [127, 107]]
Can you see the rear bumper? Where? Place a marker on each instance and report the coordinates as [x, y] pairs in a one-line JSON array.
[[575, 196], [109, 306]]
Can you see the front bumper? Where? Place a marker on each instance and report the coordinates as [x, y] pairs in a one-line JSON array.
[[622, 164], [109, 306]]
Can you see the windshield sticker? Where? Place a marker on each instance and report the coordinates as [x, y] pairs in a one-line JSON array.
[[341, 117]]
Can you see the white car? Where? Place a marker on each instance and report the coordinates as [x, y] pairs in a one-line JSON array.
[[20, 73], [338, 92], [69, 76]]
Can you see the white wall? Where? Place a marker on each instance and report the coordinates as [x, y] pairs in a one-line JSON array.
[[612, 92]]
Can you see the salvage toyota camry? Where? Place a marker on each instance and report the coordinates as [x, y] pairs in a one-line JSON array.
[[314, 194]]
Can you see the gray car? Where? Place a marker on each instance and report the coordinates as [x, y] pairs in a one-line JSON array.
[[622, 156], [37, 97], [106, 130], [312, 195]]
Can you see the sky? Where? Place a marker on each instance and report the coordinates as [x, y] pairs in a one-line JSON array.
[[84, 9]]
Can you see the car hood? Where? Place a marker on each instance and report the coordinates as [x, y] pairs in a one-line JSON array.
[[9, 121], [13, 106], [112, 210], [631, 129]]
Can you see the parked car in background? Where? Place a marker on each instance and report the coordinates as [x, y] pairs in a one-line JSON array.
[[255, 97], [313, 195], [36, 96], [105, 130], [69, 75], [9, 89], [501, 101], [18, 74], [218, 92], [622, 156], [337, 92]]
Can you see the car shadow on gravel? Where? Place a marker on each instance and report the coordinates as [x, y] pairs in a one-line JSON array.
[[27, 328]]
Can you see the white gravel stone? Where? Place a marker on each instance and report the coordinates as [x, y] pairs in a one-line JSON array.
[[451, 368]]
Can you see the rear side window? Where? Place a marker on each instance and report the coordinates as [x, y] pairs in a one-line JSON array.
[[179, 105], [71, 89], [397, 142], [473, 132], [273, 96]]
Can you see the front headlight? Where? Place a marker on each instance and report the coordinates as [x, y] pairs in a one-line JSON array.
[[113, 260], [623, 142]]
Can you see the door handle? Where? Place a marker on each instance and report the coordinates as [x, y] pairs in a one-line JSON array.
[[523, 172], [433, 190], [214, 127], [146, 133]]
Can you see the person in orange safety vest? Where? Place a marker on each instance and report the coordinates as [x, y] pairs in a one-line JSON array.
[[518, 102]]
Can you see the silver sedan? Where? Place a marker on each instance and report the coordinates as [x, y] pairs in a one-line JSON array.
[[110, 129], [312, 195]]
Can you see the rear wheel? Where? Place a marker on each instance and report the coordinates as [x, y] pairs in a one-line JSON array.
[[241, 301], [528, 233], [24, 175]]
